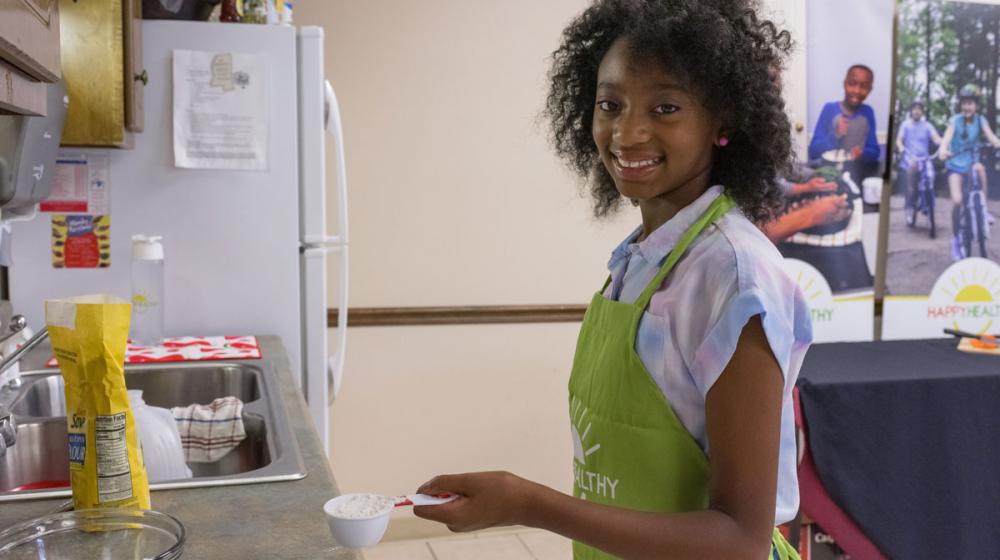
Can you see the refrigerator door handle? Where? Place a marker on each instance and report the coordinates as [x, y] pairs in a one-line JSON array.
[[332, 124], [335, 364], [331, 112], [329, 98], [334, 376]]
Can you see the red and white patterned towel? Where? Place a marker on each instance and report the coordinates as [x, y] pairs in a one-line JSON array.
[[192, 348]]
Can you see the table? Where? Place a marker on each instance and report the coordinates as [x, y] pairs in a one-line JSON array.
[[906, 439]]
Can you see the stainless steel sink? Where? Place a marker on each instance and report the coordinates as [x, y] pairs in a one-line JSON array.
[[44, 395], [38, 461], [269, 452]]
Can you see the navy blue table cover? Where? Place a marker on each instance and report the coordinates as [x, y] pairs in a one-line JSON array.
[[906, 438]]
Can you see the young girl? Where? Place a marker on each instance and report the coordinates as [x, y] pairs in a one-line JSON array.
[[959, 148], [680, 394]]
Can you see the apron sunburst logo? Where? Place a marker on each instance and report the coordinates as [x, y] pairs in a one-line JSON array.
[[587, 480], [579, 439]]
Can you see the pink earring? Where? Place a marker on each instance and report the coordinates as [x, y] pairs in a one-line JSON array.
[[723, 141]]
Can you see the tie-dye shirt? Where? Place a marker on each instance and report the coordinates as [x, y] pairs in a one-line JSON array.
[[688, 334]]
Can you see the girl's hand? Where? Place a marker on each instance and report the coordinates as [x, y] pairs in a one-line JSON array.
[[487, 499], [944, 154]]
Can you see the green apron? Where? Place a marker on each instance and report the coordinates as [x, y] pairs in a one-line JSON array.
[[629, 448]]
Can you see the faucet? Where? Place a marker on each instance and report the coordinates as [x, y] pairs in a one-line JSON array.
[[8, 425]]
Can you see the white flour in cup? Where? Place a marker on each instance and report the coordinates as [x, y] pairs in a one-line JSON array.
[[363, 506]]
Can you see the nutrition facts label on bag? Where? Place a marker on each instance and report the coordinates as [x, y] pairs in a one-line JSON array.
[[114, 480]]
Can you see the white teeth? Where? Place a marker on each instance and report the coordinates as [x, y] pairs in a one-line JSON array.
[[642, 163]]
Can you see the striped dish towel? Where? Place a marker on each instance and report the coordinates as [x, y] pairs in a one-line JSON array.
[[210, 431]]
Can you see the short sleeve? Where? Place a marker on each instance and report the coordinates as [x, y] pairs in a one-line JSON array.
[[904, 130], [786, 325]]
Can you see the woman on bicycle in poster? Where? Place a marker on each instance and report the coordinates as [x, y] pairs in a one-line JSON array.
[[960, 149], [914, 144]]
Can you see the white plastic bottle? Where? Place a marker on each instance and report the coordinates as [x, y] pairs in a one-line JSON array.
[[147, 290]]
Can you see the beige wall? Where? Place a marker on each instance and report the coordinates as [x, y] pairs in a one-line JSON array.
[[455, 196], [455, 199]]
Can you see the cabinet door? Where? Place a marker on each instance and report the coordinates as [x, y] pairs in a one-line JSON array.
[[94, 69], [19, 94], [29, 37], [135, 75]]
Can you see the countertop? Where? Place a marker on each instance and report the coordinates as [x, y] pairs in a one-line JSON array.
[[275, 520]]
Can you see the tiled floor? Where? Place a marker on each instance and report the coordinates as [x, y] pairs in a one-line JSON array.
[[526, 544]]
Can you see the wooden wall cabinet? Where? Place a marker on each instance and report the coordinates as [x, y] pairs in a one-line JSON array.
[[95, 46], [29, 54], [102, 62]]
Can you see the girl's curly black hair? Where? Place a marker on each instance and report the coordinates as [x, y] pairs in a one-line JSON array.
[[724, 53]]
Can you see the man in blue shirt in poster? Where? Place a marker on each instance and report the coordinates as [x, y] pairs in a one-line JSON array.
[[849, 125]]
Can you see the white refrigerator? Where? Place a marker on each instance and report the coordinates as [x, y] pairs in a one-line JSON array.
[[246, 252]]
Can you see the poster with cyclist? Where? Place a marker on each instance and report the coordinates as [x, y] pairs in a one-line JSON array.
[[828, 230], [941, 266]]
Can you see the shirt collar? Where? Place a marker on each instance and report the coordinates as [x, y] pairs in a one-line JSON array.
[[659, 243], [625, 249]]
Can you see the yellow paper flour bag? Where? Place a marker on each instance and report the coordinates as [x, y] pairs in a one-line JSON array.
[[89, 335]]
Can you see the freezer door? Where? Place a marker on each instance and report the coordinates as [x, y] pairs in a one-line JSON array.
[[312, 141], [319, 114]]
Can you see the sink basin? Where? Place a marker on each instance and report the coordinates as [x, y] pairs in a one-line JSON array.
[[37, 462], [44, 396], [37, 465]]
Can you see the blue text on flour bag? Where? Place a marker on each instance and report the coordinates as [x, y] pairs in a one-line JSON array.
[[77, 448]]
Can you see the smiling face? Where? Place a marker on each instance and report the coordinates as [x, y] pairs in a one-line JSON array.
[[916, 112], [857, 86], [654, 137], [969, 106]]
